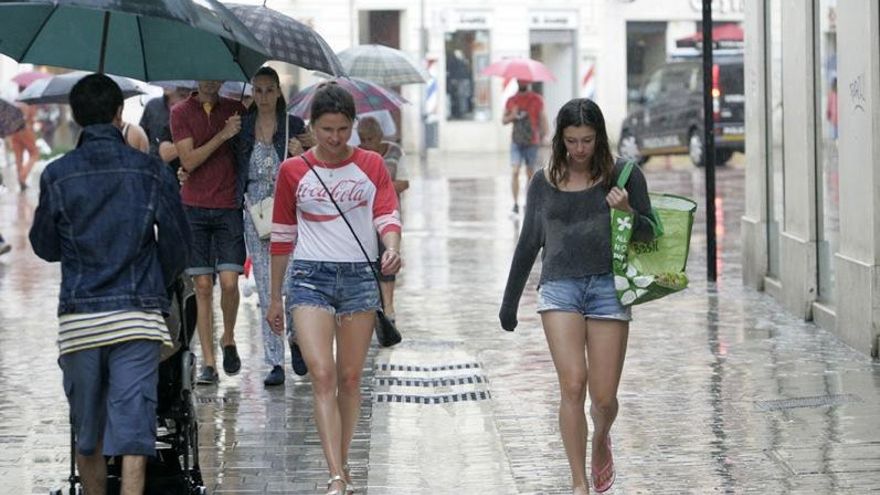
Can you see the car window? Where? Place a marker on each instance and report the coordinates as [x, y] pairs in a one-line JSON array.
[[653, 86], [676, 79]]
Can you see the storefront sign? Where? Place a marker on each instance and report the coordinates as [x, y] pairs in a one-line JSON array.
[[552, 19], [459, 20], [721, 6]]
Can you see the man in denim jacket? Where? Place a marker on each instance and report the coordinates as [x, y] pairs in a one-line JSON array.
[[112, 216]]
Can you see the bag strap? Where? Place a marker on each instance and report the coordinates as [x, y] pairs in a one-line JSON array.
[[356, 238], [286, 136], [623, 178]]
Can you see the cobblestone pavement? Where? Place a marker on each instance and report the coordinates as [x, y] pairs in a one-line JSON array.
[[723, 392]]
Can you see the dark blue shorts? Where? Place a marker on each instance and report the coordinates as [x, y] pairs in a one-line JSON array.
[[339, 288], [217, 240], [593, 296], [112, 394]]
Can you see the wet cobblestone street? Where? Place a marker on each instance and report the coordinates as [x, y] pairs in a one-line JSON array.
[[722, 392]]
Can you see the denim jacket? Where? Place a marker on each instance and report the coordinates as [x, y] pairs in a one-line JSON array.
[[112, 216], [247, 136]]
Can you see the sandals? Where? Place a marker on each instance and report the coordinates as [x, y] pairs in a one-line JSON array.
[[603, 478], [349, 486], [337, 479]]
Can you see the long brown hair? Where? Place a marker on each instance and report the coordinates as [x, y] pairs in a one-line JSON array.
[[578, 112]]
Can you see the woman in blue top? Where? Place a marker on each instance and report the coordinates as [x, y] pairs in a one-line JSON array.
[[266, 132]]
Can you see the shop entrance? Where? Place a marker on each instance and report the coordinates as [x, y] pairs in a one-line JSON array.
[[556, 50], [645, 51]]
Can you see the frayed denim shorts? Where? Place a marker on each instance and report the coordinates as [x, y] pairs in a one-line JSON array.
[[593, 296], [339, 288]]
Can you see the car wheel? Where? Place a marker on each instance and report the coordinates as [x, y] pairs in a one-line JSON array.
[[628, 148], [695, 148]]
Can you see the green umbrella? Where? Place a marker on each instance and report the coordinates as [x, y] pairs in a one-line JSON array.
[[143, 39]]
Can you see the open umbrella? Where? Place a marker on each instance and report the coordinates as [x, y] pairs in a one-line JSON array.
[[521, 69], [29, 77], [287, 40], [143, 39], [11, 119], [368, 97], [56, 89], [382, 65]]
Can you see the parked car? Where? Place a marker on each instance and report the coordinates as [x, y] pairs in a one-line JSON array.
[[667, 116]]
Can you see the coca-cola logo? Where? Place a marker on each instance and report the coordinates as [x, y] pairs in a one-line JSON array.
[[343, 191]]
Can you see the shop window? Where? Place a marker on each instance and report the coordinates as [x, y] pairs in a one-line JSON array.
[[775, 164], [468, 94], [826, 137]]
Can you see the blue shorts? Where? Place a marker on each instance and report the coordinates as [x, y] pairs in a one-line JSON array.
[[524, 154], [593, 296], [112, 394], [217, 240], [339, 288]]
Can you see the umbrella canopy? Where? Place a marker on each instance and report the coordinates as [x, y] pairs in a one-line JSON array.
[[521, 69], [56, 89], [143, 39], [11, 118], [27, 78], [382, 65], [287, 40], [368, 97]]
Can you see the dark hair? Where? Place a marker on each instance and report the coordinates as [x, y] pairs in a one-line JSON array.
[[281, 104], [95, 99], [576, 113], [332, 98]]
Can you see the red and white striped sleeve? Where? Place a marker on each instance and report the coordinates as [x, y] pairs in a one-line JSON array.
[[386, 212], [284, 225]]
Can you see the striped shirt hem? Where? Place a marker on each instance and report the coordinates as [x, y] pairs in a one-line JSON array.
[[79, 332]]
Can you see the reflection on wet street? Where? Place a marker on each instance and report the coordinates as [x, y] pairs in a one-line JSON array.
[[723, 392]]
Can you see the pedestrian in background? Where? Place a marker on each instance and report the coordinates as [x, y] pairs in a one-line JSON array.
[[202, 127], [372, 138], [332, 293], [156, 122], [525, 110], [25, 141], [268, 136], [113, 287], [567, 216]]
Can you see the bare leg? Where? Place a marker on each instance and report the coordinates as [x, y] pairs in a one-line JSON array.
[[93, 472], [204, 288], [229, 299], [315, 329], [387, 289], [352, 344], [606, 347], [514, 183], [567, 336], [134, 469]]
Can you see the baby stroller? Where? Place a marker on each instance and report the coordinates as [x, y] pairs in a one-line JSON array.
[[175, 469]]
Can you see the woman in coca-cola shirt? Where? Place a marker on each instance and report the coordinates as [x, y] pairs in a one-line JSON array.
[[331, 293]]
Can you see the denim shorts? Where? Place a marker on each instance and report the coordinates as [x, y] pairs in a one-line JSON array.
[[593, 296], [112, 391], [339, 288], [524, 154], [217, 240]]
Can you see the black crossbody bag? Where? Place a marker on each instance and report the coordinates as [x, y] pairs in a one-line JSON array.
[[386, 332]]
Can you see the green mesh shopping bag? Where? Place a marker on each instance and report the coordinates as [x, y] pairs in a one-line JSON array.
[[644, 271]]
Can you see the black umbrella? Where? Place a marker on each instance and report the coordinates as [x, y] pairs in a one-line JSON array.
[[287, 40], [11, 119], [142, 39], [56, 89]]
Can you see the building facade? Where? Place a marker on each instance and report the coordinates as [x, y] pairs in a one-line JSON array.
[[811, 232]]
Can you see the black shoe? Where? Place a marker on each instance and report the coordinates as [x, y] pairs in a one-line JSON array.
[[275, 377], [231, 361], [208, 376], [515, 208], [297, 361]]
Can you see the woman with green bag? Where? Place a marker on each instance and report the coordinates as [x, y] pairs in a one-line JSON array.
[[567, 216]]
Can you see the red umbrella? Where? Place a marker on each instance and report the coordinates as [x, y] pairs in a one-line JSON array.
[[521, 69], [368, 97], [25, 79]]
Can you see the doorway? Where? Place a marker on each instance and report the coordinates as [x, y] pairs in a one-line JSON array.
[[556, 50], [382, 27]]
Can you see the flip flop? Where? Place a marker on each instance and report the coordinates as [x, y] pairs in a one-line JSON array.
[[606, 473]]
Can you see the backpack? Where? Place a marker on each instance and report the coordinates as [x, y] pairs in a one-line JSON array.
[[522, 130]]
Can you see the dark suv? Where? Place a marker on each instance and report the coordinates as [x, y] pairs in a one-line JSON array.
[[667, 117]]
